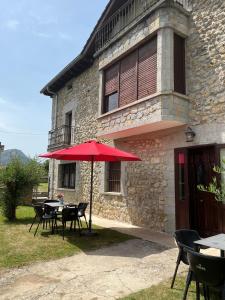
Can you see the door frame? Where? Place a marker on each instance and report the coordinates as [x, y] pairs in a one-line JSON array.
[[182, 208]]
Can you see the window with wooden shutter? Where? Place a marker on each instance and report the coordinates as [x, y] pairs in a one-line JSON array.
[[179, 64], [111, 88], [128, 79], [147, 69], [132, 78]]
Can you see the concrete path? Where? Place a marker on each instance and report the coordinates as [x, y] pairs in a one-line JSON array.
[[105, 274]]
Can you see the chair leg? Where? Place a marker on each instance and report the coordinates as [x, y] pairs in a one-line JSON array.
[[86, 220], [197, 290], [188, 281], [175, 272], [37, 227], [63, 224], [32, 223], [79, 226], [205, 292]]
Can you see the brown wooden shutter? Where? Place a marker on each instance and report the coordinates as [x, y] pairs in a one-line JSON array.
[[147, 69], [179, 64], [128, 79], [112, 79]]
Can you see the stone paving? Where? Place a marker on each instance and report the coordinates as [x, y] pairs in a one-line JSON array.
[[108, 273]]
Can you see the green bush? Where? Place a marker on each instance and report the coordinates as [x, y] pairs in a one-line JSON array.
[[17, 178]]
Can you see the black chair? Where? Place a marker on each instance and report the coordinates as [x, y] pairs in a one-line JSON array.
[[185, 239], [70, 214], [42, 217], [210, 272], [82, 206]]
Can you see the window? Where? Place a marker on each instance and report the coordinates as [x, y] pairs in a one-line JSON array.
[[114, 177], [179, 64], [132, 78], [67, 176], [111, 102], [68, 128], [181, 181]]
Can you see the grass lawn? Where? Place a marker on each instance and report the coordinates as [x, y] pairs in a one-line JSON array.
[[163, 291], [43, 187], [20, 247]]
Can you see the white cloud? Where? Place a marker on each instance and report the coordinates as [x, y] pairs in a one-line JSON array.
[[65, 36], [43, 35], [12, 24]]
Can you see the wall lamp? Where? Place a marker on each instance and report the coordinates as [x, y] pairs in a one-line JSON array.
[[190, 134]]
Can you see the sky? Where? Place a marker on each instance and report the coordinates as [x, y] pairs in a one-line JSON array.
[[38, 39]]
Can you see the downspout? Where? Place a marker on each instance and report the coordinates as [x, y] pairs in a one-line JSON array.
[[54, 126]]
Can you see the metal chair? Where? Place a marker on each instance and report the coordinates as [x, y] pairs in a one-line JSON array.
[[82, 206], [210, 272], [70, 214], [42, 217]]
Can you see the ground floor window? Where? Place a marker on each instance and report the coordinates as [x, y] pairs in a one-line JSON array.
[[113, 178], [67, 175]]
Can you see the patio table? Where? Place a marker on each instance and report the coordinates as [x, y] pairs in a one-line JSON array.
[[215, 241]]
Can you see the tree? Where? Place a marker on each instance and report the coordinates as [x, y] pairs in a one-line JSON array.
[[216, 187], [17, 178]]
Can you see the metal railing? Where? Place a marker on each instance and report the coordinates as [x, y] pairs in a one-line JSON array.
[[61, 136], [125, 15]]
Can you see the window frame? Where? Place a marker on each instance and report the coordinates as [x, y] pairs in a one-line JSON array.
[[62, 170], [109, 180]]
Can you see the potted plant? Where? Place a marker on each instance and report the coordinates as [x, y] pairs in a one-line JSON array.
[[216, 186], [60, 197]]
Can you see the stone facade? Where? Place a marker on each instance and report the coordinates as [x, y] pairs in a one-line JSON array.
[[148, 196]]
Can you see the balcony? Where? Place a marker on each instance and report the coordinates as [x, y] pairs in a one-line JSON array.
[[60, 137], [156, 112], [132, 10]]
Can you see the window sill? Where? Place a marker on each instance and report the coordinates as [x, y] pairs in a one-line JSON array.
[[112, 194], [66, 189]]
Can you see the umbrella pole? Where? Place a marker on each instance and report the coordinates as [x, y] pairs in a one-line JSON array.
[[91, 195]]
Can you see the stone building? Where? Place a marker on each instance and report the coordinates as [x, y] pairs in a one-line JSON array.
[[150, 80]]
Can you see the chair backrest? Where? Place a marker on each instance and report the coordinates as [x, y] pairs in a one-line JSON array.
[[38, 211], [82, 207], [207, 269], [69, 214], [185, 239]]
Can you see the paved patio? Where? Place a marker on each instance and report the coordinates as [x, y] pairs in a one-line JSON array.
[[108, 273]]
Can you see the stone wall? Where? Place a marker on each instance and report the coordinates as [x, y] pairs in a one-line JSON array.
[[205, 63], [83, 101]]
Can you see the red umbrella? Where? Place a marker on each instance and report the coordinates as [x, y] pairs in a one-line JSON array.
[[91, 151]]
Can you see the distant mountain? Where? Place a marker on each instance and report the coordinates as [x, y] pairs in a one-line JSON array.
[[7, 155]]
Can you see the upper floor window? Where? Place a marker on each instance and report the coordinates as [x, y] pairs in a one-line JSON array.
[[179, 64], [67, 175], [132, 78]]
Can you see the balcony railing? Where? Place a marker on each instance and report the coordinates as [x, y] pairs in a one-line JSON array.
[[60, 137], [125, 15]]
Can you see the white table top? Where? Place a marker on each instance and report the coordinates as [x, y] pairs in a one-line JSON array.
[[54, 204], [215, 241]]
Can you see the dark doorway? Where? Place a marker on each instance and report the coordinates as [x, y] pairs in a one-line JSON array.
[[195, 209]]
